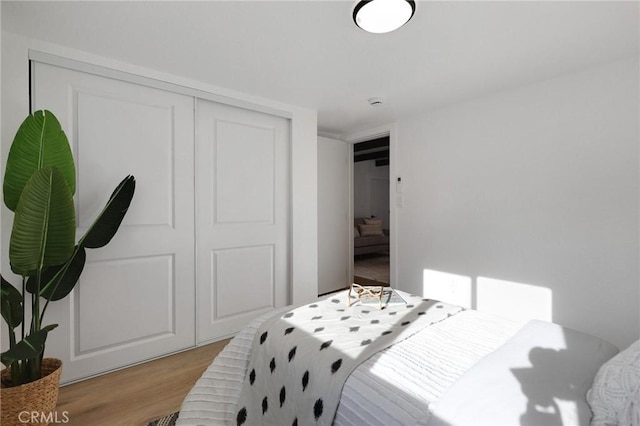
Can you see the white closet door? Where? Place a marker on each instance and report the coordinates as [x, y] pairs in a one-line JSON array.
[[333, 215], [242, 186], [135, 299]]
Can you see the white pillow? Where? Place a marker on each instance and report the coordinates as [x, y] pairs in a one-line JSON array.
[[615, 395], [370, 230]]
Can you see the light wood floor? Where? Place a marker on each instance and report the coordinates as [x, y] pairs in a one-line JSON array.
[[136, 395]]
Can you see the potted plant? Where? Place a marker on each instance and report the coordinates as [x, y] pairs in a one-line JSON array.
[[38, 186]]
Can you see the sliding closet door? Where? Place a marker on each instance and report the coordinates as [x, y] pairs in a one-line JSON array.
[[242, 186], [135, 298]]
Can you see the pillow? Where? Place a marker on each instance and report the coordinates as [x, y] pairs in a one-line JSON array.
[[370, 230], [356, 233], [373, 221], [615, 395], [540, 376]]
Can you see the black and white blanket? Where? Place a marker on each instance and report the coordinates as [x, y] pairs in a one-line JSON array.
[[300, 359]]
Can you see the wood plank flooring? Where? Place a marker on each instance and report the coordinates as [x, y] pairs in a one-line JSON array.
[[136, 395]]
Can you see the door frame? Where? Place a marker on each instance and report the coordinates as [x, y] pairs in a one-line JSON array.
[[389, 129]]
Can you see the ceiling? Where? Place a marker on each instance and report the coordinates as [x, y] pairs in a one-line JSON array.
[[309, 53]]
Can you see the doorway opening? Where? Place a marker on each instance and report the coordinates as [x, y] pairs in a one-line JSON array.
[[371, 212]]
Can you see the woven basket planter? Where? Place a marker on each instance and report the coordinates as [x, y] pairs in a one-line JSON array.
[[40, 396]]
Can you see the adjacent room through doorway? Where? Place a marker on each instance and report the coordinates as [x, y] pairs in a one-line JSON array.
[[371, 212]]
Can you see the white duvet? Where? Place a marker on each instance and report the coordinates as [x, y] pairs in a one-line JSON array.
[[474, 356], [393, 387]]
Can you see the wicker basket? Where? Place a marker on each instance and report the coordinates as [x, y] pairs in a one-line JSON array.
[[39, 397]]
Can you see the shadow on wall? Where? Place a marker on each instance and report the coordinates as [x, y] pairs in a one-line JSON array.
[[505, 298]]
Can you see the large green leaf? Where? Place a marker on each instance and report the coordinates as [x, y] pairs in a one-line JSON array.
[[58, 281], [10, 303], [28, 348], [39, 142], [107, 223], [43, 232]]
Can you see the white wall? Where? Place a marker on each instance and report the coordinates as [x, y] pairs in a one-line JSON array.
[[304, 206], [333, 215], [365, 203], [537, 186]]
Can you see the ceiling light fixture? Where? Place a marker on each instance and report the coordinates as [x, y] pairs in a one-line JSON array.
[[383, 16]]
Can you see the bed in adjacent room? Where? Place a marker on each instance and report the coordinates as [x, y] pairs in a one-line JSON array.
[[419, 362]]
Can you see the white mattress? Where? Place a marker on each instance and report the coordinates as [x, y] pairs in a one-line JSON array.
[[394, 387]]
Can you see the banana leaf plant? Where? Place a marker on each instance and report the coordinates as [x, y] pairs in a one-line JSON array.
[[38, 186]]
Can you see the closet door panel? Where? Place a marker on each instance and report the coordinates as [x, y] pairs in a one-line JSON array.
[[231, 266], [244, 173], [123, 277], [113, 134], [242, 179], [136, 297]]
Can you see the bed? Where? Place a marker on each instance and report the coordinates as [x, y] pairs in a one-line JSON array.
[[440, 365]]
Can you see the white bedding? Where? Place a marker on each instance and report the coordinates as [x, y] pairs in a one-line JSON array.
[[538, 377], [303, 357], [395, 386], [472, 368]]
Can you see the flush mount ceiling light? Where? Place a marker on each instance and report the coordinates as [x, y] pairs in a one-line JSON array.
[[383, 16]]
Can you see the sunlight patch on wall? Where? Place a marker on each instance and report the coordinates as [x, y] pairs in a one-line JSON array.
[[514, 300], [447, 287], [500, 297]]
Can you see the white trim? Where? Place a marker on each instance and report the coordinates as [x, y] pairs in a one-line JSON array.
[[89, 68], [350, 213], [376, 132], [330, 135]]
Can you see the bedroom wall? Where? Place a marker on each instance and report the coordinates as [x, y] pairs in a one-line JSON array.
[[529, 198]]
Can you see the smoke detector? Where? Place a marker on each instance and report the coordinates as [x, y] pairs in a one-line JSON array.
[[375, 101]]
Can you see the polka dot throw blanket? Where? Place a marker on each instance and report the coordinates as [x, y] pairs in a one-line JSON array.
[[302, 357]]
